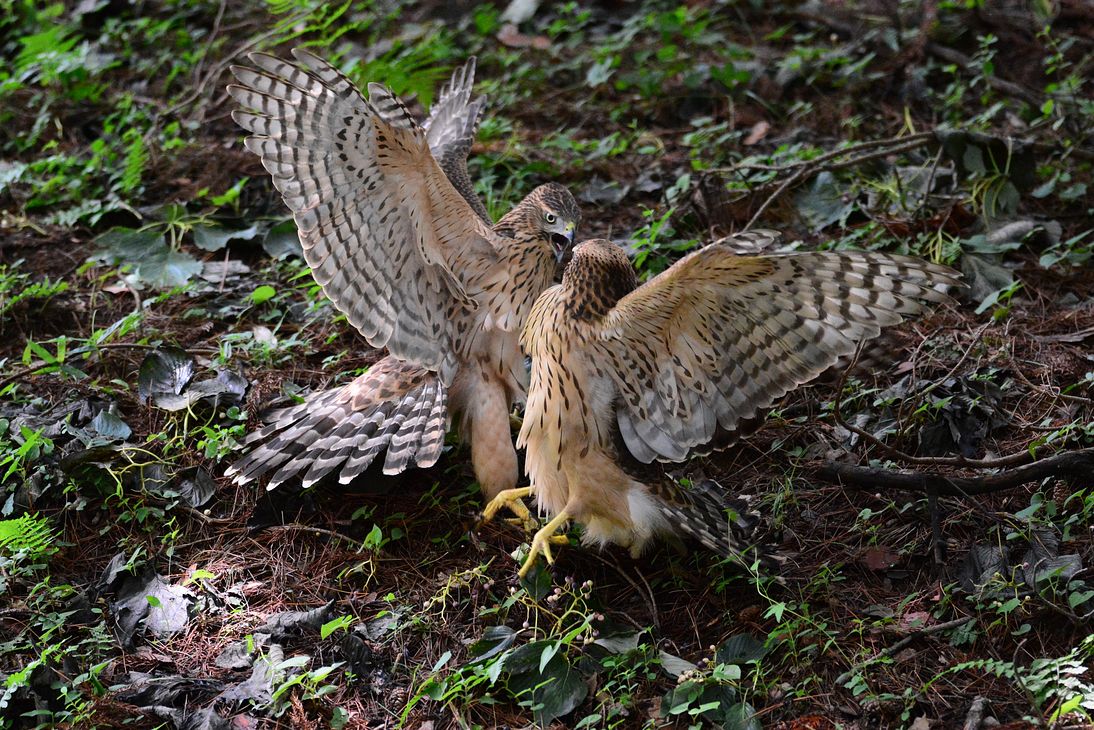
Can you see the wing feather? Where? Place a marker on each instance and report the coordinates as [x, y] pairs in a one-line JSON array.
[[450, 131], [718, 337], [389, 239]]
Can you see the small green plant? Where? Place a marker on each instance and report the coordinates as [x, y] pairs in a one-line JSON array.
[[1058, 686], [218, 440], [310, 685], [19, 452], [26, 544], [651, 249], [29, 536], [16, 288], [999, 301]]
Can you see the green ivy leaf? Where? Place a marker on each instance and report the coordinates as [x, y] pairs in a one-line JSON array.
[[262, 294], [823, 202], [740, 649], [338, 624], [215, 238], [741, 716], [494, 641]]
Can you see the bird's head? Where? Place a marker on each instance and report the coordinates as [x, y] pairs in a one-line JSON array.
[[599, 275], [556, 216]]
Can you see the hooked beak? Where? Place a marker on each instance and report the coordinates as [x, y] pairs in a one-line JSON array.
[[562, 242]]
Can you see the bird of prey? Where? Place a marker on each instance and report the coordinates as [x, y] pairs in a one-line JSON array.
[[625, 375], [398, 241]]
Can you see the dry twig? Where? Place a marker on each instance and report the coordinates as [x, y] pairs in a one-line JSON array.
[[937, 628], [1016, 459], [805, 169], [1071, 464]]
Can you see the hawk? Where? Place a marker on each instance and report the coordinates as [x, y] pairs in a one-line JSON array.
[[398, 241], [625, 375]]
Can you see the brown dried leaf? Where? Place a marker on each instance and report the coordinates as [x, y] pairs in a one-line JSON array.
[[914, 620], [510, 36], [759, 131], [880, 558]]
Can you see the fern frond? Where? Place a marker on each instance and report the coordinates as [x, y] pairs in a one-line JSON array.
[[29, 534], [136, 157]]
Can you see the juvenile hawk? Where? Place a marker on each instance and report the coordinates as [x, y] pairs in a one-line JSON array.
[[398, 241], [623, 375]]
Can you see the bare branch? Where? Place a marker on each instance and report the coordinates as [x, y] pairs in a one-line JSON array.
[[1072, 464]]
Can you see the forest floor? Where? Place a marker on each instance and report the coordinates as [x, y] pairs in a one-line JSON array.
[[144, 250]]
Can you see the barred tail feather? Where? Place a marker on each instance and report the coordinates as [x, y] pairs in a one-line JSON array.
[[395, 407], [721, 524]]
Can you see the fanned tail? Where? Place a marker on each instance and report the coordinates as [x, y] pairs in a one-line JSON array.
[[395, 407]]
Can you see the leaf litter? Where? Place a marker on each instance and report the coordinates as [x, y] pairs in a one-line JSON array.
[[269, 574]]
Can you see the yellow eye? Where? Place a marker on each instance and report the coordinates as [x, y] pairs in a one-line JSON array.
[[549, 217]]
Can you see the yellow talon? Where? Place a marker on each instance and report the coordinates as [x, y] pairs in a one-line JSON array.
[[543, 540], [510, 498]]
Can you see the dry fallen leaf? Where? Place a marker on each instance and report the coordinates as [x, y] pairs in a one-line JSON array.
[[880, 558], [759, 131], [510, 36], [914, 620]]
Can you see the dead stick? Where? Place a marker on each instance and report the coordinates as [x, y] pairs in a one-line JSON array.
[[1016, 459], [877, 155], [805, 172], [999, 84], [40, 364], [1075, 464], [90, 349], [891, 142], [966, 63], [297, 527], [937, 628], [786, 184]]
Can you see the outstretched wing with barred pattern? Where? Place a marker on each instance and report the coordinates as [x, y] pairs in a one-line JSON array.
[[718, 336], [450, 131], [388, 237]]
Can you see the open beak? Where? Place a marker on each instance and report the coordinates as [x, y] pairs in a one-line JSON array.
[[561, 242]]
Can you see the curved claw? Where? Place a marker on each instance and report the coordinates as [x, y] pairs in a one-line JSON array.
[[543, 540], [510, 498]]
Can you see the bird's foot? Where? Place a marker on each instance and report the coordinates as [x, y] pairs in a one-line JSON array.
[[510, 498], [543, 541]]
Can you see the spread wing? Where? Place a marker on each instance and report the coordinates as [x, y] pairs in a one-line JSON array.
[[450, 131], [717, 337], [388, 238]]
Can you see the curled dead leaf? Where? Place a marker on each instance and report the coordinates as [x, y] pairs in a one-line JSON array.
[[510, 36], [759, 131]]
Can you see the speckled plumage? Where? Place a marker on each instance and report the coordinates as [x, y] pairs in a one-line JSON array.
[[396, 238], [647, 373]]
